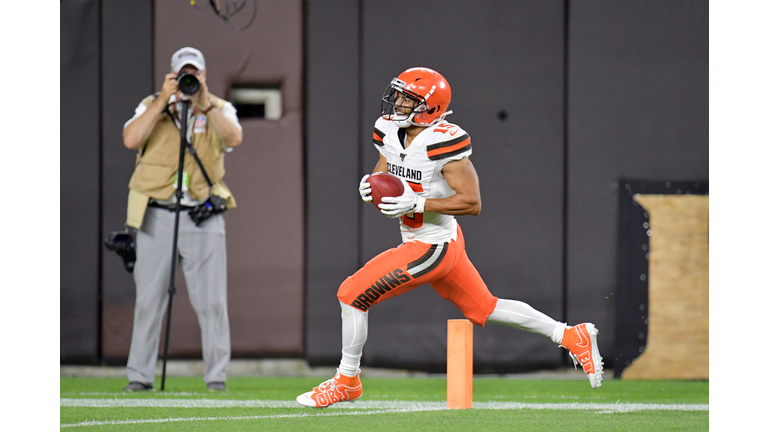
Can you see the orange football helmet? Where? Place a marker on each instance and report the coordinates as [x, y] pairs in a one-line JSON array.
[[429, 95]]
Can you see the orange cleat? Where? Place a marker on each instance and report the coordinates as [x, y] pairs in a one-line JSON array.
[[340, 388], [581, 341]]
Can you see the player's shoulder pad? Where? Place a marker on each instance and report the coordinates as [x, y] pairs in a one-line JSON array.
[[447, 141], [382, 128]]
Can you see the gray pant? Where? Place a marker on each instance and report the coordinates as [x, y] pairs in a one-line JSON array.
[[204, 261]]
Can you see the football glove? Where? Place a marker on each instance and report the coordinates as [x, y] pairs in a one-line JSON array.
[[365, 189], [408, 202]]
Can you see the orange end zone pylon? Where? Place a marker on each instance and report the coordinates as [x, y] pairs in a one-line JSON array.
[[459, 364]]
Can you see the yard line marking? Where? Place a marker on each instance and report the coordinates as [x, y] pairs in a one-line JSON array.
[[372, 405], [178, 403], [276, 416], [604, 407], [123, 393], [239, 403]]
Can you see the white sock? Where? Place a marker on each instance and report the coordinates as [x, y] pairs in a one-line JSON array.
[[520, 315], [354, 333]]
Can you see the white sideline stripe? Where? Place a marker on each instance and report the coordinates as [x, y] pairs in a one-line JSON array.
[[370, 405], [375, 407]]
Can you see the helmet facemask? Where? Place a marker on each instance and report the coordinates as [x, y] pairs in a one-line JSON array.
[[400, 113]]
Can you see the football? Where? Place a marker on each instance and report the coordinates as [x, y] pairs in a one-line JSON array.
[[384, 185]]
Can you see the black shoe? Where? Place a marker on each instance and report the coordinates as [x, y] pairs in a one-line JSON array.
[[138, 386], [216, 386]]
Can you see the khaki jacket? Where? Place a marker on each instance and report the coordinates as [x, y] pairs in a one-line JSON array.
[[157, 163]]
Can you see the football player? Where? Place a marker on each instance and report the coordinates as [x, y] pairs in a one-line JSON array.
[[431, 157]]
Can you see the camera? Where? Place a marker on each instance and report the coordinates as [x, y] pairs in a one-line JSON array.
[[214, 205], [188, 83], [121, 243]]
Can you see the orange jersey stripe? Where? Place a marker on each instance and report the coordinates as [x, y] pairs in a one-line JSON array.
[[378, 137], [379, 141], [417, 187], [435, 152]]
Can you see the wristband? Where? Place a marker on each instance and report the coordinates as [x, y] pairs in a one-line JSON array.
[[205, 111], [420, 202]]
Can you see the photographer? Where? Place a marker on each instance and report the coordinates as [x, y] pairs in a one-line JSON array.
[[213, 130]]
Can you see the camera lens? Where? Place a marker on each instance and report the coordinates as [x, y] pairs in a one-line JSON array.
[[188, 83]]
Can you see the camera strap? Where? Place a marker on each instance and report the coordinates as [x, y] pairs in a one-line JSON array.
[[193, 152]]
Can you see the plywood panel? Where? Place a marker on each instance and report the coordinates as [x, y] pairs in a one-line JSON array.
[[678, 289]]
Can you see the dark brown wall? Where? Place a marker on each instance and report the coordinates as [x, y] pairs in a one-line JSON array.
[[592, 92], [106, 61], [333, 164], [265, 233], [127, 77], [504, 56], [638, 109], [79, 242]]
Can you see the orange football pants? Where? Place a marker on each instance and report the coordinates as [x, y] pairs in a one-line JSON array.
[[445, 267]]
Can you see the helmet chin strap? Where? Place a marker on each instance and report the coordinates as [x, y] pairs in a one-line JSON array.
[[403, 122]]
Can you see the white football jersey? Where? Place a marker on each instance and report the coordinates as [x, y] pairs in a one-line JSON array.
[[421, 165]]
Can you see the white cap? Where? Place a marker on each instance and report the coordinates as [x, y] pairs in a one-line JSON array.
[[187, 56]]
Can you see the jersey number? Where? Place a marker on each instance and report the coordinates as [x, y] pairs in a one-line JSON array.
[[447, 126], [413, 220]]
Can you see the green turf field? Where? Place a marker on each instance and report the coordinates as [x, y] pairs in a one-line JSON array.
[[388, 404]]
